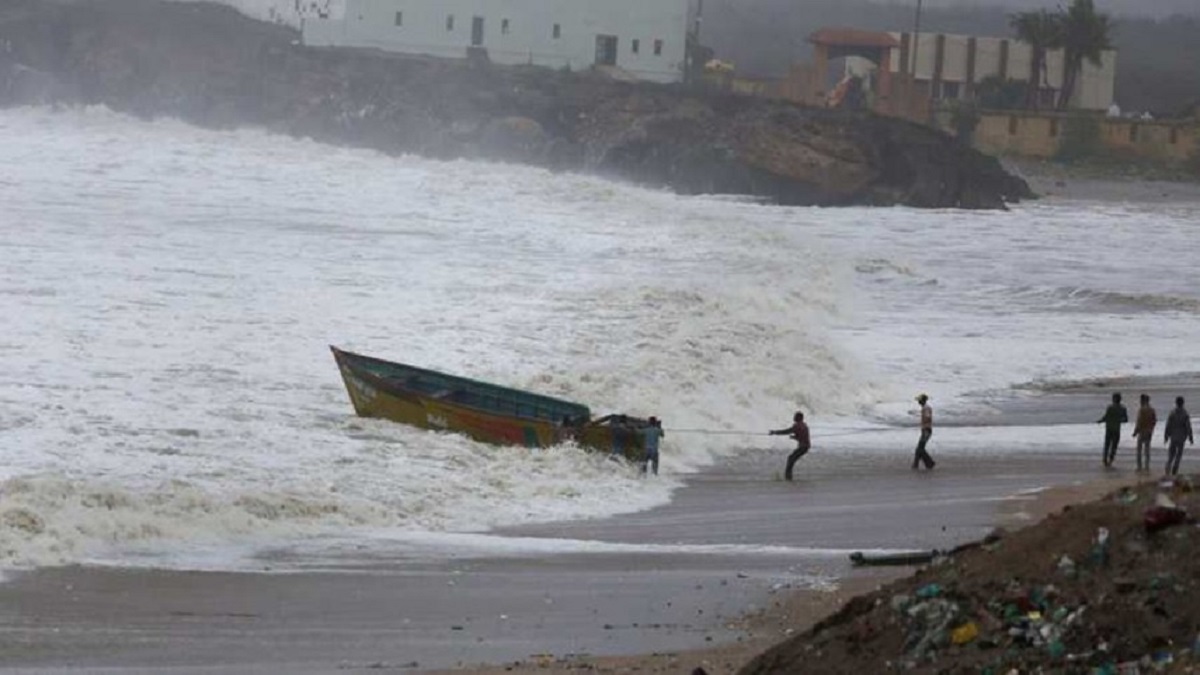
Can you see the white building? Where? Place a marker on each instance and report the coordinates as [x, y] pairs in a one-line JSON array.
[[645, 38], [951, 65]]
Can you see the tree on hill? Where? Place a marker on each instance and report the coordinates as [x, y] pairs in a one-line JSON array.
[[1086, 35], [1042, 31]]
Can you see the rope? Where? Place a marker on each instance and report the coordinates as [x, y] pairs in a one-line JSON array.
[[717, 432], [832, 434]]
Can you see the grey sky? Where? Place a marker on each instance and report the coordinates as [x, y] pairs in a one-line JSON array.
[[1155, 8]]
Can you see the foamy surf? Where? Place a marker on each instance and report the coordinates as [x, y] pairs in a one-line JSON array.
[[172, 292]]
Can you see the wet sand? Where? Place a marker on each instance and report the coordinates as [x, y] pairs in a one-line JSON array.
[[409, 614], [1055, 181]]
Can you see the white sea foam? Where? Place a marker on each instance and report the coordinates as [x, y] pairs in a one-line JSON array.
[[170, 294]]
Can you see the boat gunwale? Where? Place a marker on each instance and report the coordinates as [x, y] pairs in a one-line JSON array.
[[347, 359]]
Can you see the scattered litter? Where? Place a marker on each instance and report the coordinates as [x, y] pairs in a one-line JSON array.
[[964, 633], [1098, 556], [1088, 591], [1160, 517], [929, 591]]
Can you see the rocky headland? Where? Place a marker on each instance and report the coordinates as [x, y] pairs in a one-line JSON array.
[[211, 66]]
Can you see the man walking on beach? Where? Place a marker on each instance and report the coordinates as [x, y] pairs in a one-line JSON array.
[[922, 456], [652, 433], [1114, 416], [1147, 419], [798, 431], [1179, 429]]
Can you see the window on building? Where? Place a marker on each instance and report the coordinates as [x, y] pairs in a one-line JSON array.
[[504, 26], [449, 22], [557, 31], [1053, 127], [1133, 133], [950, 90], [658, 47], [636, 45], [399, 18], [1013, 122]]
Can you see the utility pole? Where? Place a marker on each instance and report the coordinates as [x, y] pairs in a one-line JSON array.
[[693, 45], [912, 73]]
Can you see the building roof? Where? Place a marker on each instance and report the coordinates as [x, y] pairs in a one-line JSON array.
[[852, 37]]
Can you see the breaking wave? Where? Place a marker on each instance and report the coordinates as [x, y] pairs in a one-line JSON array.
[[1081, 299]]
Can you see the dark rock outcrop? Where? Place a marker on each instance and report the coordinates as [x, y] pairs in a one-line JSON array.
[[211, 66]]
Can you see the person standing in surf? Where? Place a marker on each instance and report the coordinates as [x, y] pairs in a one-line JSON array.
[[1143, 430], [1179, 429], [652, 433], [922, 455], [1114, 416], [799, 432]]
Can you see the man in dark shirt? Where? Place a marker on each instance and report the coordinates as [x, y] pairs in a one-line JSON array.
[[921, 455], [1179, 429], [798, 431], [1114, 416], [652, 433]]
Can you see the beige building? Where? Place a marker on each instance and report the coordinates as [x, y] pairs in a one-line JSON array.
[[949, 66]]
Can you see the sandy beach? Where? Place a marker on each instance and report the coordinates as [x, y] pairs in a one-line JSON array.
[[1051, 180]]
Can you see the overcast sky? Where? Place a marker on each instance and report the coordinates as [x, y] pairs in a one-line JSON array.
[[1156, 8]]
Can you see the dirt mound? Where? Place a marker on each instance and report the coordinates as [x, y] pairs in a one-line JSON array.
[[1108, 587]]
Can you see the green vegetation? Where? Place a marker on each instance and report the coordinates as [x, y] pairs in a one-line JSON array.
[[994, 93], [1042, 31], [1084, 35]]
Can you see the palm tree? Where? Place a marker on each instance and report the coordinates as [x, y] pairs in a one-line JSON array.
[[1042, 31], [1086, 34]]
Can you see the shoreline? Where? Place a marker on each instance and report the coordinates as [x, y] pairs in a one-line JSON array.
[[799, 610], [670, 609], [1053, 181]]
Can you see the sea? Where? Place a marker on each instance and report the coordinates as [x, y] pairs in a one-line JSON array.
[[169, 295]]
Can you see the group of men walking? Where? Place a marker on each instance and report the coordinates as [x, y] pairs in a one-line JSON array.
[[1177, 432]]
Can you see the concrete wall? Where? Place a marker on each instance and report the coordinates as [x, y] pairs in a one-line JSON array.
[[519, 31], [1041, 135]]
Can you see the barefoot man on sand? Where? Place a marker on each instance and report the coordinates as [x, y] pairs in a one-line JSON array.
[[799, 432], [1147, 419], [922, 456], [1114, 416], [1179, 429]]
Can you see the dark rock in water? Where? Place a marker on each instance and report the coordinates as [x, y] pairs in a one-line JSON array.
[[209, 65], [514, 138]]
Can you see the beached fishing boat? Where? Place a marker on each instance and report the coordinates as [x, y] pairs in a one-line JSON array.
[[485, 412]]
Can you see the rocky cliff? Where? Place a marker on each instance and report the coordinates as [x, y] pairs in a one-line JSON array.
[[211, 66]]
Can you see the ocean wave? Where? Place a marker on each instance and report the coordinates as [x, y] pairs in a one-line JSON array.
[[1084, 299]]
